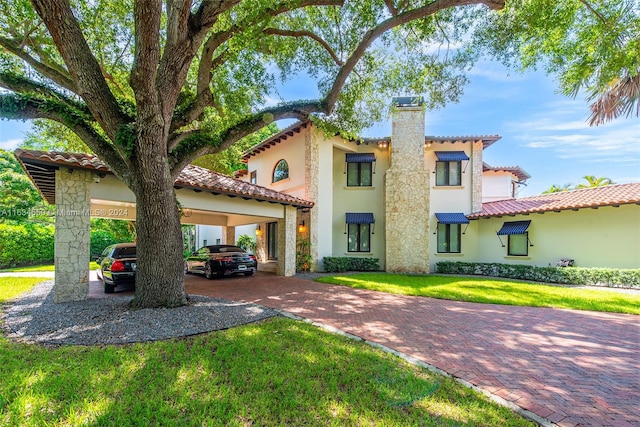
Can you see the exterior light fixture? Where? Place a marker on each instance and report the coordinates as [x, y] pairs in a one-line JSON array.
[[302, 228], [258, 230], [383, 144]]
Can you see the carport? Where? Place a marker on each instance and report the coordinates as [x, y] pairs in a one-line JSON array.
[[81, 186]]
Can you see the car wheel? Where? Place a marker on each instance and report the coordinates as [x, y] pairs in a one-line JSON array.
[[249, 273], [208, 273], [108, 289]]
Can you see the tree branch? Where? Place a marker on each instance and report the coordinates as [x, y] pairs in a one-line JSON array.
[[392, 9], [395, 21], [216, 40], [302, 33], [595, 12], [20, 107], [82, 65], [21, 85], [49, 72], [199, 143]]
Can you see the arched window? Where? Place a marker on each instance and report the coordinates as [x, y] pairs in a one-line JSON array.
[[281, 171]]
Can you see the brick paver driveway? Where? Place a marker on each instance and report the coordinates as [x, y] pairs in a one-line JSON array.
[[570, 367]]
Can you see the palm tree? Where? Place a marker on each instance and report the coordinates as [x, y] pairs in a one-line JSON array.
[[557, 188], [592, 181], [622, 97]]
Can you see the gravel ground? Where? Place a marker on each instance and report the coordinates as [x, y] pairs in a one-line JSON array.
[[35, 318]]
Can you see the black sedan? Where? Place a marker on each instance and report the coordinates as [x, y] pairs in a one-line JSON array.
[[117, 266], [218, 260]]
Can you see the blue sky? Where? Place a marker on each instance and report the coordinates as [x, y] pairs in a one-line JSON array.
[[543, 132]]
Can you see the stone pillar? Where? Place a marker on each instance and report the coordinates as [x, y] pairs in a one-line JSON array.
[[407, 194], [73, 235], [311, 180], [287, 242], [476, 177], [229, 235]]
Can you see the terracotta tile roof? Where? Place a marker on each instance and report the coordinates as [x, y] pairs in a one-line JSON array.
[[520, 173], [283, 135], [610, 195], [41, 166]]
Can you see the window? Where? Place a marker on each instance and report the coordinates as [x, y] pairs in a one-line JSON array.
[[448, 173], [359, 231], [359, 169], [358, 174], [449, 167], [518, 244], [359, 238], [449, 238], [281, 171], [253, 177], [518, 237]]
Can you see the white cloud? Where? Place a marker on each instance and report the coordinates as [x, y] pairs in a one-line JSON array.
[[560, 130], [10, 144]]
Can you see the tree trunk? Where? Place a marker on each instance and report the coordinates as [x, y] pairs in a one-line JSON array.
[[160, 266]]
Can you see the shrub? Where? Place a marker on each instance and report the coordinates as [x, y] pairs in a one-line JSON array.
[[612, 277], [340, 264], [100, 239], [25, 244]]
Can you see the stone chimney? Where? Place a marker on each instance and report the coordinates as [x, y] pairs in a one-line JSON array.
[[407, 191]]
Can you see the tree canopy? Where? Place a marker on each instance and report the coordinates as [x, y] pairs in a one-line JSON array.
[[591, 182], [592, 46], [19, 200]]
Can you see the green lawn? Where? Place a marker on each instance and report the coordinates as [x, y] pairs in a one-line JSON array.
[[46, 267], [277, 372], [492, 291]]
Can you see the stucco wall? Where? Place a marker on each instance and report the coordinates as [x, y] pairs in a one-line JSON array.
[[450, 198], [497, 186], [604, 237], [358, 199], [293, 151]]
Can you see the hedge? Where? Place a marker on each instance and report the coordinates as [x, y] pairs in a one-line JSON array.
[[25, 244], [340, 264], [33, 244], [611, 277]]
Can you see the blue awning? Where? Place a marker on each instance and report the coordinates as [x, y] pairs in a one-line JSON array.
[[451, 218], [360, 218], [514, 227], [451, 156], [360, 158]]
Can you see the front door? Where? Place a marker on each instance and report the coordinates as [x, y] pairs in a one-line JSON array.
[[272, 240]]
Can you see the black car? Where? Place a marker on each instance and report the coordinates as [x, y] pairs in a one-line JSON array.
[[117, 266], [219, 260]]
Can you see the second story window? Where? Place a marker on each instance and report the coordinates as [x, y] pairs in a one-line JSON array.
[[254, 177], [360, 169], [449, 167], [281, 171]]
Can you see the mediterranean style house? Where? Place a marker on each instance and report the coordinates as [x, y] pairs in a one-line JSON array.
[[409, 201], [412, 201]]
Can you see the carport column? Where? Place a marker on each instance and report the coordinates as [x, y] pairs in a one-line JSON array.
[[287, 242], [229, 234], [73, 235]]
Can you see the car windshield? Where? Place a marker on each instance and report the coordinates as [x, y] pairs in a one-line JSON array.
[[125, 252]]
